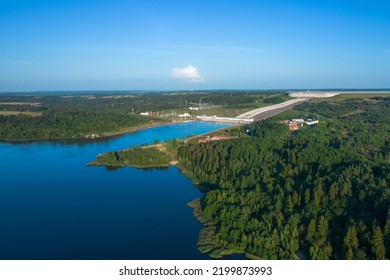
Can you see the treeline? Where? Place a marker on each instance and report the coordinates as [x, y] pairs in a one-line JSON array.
[[349, 106], [321, 193], [158, 155], [19, 107], [66, 123], [141, 102]]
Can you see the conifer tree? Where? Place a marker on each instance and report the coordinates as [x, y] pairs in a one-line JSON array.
[[378, 247]]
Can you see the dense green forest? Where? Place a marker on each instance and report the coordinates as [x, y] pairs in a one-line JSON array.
[[158, 155], [75, 116], [322, 192], [66, 123]]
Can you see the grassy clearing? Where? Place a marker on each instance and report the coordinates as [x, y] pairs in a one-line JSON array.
[[137, 127], [343, 97], [222, 111], [172, 155], [353, 113], [218, 111]]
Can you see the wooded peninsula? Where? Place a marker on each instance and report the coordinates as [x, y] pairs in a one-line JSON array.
[[319, 192]]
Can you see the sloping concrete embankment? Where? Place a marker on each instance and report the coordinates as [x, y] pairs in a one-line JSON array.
[[273, 109]]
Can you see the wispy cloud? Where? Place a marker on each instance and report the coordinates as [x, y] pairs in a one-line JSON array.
[[117, 49], [217, 48], [188, 74]]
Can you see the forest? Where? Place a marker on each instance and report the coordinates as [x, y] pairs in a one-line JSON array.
[[146, 156], [322, 192], [66, 123], [136, 157]]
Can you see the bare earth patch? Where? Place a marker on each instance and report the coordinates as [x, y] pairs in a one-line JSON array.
[[9, 113]]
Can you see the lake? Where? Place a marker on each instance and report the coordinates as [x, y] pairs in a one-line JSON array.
[[52, 206]]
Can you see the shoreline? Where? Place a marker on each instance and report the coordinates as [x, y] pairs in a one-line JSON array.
[[105, 135], [142, 127], [174, 162], [206, 242]]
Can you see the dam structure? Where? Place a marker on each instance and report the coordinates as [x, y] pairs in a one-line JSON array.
[[256, 114], [312, 94], [288, 104]]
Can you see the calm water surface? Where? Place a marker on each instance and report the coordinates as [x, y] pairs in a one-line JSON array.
[[52, 206]]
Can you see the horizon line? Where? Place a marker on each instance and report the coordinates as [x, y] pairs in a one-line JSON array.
[[197, 90]]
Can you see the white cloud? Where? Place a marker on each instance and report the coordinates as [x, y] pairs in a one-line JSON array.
[[189, 74]]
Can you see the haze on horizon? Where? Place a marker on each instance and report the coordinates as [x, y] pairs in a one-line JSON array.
[[167, 45]]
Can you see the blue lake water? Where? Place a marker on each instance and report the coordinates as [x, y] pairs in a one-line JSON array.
[[52, 206]]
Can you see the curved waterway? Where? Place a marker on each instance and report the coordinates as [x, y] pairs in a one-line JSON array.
[[52, 206]]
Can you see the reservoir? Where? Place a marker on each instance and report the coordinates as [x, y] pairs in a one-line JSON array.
[[52, 206]]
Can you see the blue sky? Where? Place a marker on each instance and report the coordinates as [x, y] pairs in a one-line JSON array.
[[170, 45]]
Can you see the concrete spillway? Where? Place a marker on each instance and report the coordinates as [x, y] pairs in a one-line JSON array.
[[312, 94], [257, 114], [253, 113]]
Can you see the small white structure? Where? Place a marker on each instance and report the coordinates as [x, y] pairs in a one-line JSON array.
[[193, 108], [185, 115], [145, 114], [312, 122]]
